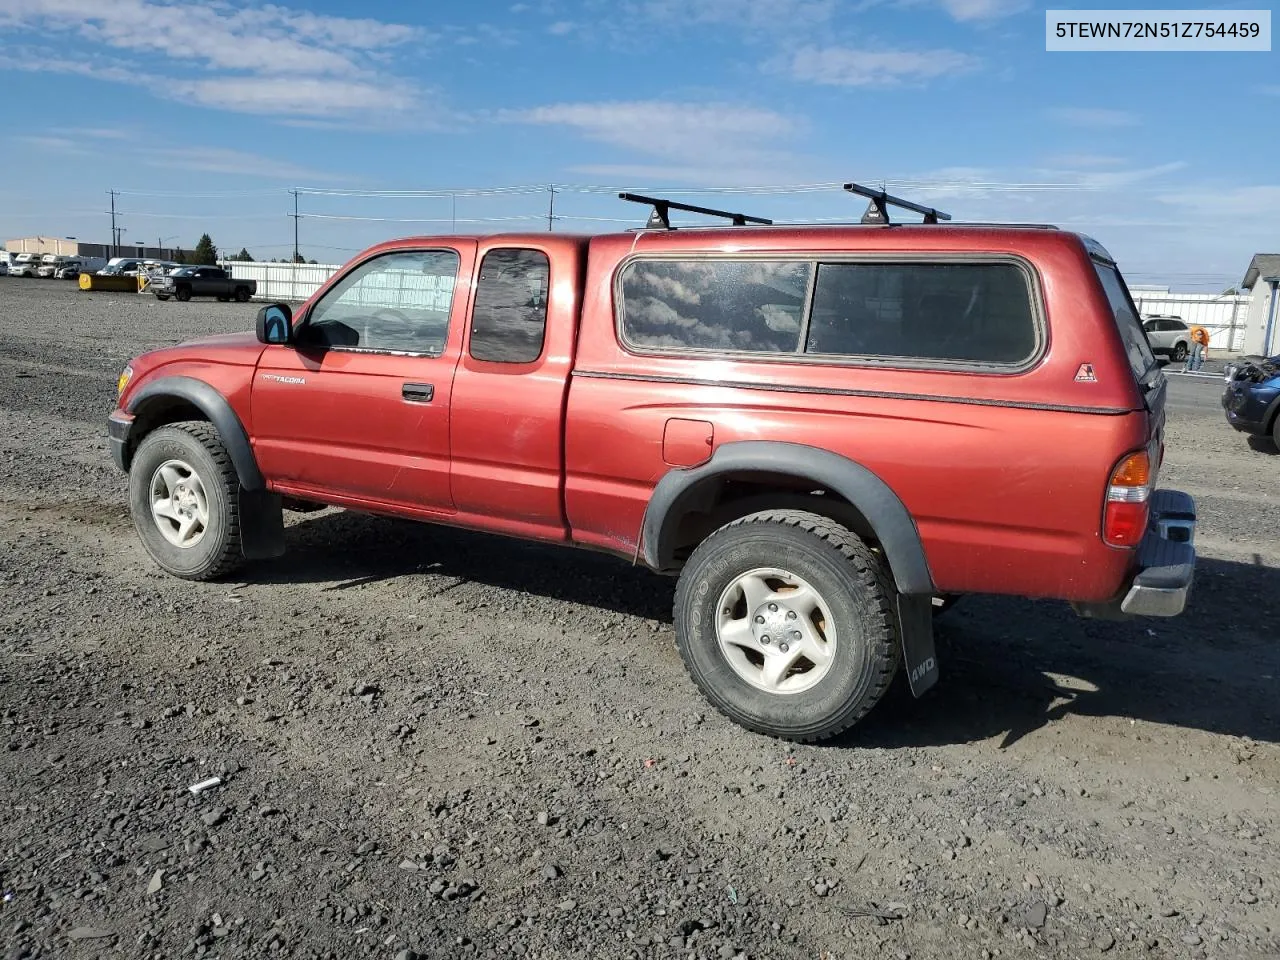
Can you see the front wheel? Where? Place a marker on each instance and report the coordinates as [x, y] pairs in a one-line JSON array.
[[183, 294], [785, 620], [184, 497]]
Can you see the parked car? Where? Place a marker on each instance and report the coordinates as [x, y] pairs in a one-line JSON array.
[[4, 267], [1168, 336], [79, 265], [1251, 397], [188, 282], [819, 430]]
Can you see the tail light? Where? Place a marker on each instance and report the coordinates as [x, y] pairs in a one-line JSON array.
[[1128, 491]]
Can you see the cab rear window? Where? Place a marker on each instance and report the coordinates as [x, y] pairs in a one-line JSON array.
[[1141, 359]]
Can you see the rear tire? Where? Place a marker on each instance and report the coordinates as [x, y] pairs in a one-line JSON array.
[[184, 497], [1179, 352], [785, 620], [242, 295]]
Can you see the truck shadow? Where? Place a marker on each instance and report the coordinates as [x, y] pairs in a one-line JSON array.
[[1009, 666]]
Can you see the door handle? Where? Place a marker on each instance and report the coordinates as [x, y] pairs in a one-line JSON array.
[[418, 392]]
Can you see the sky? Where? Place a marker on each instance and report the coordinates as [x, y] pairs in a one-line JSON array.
[[399, 119]]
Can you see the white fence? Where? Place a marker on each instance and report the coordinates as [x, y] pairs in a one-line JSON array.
[[293, 282], [1223, 316]]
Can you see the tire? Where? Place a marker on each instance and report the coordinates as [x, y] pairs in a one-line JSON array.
[[1179, 352], [183, 294], [242, 294], [860, 637], [195, 446]]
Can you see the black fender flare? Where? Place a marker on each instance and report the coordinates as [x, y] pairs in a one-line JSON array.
[[889, 518], [1269, 418], [216, 408]]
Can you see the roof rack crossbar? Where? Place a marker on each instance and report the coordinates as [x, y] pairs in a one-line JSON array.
[[878, 209], [661, 216]]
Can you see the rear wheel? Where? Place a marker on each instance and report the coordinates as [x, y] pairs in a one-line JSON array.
[[785, 621], [1180, 352], [184, 497], [242, 295]]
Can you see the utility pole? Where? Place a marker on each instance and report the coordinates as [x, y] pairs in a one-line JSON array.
[[551, 208], [295, 225], [115, 236]]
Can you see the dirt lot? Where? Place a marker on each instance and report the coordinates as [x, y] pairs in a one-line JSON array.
[[448, 745]]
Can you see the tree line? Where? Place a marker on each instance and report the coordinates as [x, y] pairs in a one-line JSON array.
[[206, 253]]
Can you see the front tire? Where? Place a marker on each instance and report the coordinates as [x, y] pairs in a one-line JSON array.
[[785, 620], [184, 497], [183, 294]]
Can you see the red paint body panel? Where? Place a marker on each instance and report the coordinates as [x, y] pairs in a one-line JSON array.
[[687, 443], [1004, 473]]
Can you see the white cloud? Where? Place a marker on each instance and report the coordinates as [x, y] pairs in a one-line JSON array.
[[768, 15], [982, 9], [714, 142], [53, 144], [296, 96], [95, 133], [1069, 160], [1096, 117], [843, 66], [215, 53], [561, 27], [234, 163]]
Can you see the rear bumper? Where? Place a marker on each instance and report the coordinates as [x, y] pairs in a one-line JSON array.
[[1166, 564]]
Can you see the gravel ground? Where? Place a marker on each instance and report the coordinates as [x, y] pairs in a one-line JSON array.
[[440, 744]]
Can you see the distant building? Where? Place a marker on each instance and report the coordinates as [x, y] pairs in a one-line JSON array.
[[74, 248], [1262, 328]]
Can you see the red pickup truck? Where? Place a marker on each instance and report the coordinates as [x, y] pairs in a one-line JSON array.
[[824, 431]]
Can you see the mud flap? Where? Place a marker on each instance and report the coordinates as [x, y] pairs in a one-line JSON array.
[[261, 525], [915, 617]]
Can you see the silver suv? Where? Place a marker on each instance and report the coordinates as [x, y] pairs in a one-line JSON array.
[[1168, 336]]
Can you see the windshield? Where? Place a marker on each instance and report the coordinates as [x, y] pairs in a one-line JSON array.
[[1141, 359]]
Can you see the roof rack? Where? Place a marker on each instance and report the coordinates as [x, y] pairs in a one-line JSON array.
[[878, 208], [661, 215]]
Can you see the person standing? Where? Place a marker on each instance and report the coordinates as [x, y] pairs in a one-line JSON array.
[[1199, 350]]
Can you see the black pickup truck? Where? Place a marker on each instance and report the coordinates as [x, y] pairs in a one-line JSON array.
[[188, 282]]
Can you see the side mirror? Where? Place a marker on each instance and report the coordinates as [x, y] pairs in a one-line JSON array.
[[275, 323]]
